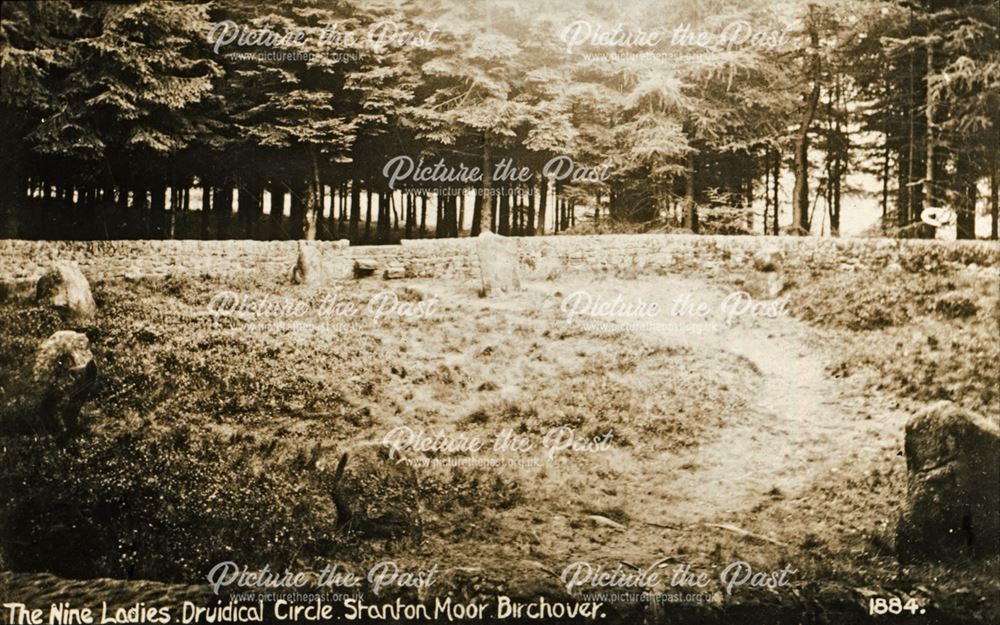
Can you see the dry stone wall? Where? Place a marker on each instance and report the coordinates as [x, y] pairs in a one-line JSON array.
[[457, 258]]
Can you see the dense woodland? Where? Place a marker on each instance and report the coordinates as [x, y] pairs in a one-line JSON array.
[[132, 120]]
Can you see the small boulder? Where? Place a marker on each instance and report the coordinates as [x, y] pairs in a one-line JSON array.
[[953, 485], [394, 272], [313, 267], [66, 288], [498, 263], [767, 259], [364, 267], [63, 378], [377, 496]]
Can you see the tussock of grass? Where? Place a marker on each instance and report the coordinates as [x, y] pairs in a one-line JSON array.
[[937, 332]]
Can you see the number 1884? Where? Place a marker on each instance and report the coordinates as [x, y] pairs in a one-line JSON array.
[[893, 605]]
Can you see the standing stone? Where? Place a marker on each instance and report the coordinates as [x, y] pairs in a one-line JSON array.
[[498, 263], [66, 288], [313, 267], [63, 378], [953, 485]]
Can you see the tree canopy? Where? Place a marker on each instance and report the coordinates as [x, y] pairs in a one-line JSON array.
[[694, 113]]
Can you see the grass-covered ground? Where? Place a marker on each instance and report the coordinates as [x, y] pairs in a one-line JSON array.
[[772, 441]]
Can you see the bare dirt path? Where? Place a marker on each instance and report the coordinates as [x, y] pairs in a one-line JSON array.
[[802, 424]]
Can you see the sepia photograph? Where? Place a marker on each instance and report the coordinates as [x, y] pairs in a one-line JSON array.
[[500, 312]]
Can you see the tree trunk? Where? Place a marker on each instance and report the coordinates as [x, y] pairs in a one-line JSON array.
[[966, 192], [690, 208], [300, 201], [885, 179], [477, 215], [175, 200], [344, 195], [530, 230], [543, 200], [352, 231], [368, 213], [186, 210], [967, 222], [840, 155], [767, 189], [909, 208], [776, 181], [157, 211], [930, 191], [393, 208], [382, 225], [314, 202], [336, 210], [140, 210], [423, 216], [277, 209], [121, 212], [251, 206], [206, 209], [503, 227], [225, 212], [460, 225], [453, 215], [408, 204], [515, 213], [994, 192], [800, 195], [439, 223], [486, 212]]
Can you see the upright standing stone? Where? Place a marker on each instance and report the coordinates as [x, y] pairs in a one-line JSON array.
[[313, 267], [65, 287], [953, 485], [498, 263]]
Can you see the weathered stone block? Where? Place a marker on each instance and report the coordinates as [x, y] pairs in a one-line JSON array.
[[63, 378], [364, 267], [498, 264], [953, 485], [66, 288], [394, 272]]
